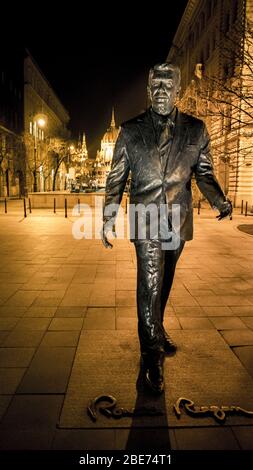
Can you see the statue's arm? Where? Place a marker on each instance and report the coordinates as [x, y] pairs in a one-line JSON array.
[[206, 179], [115, 184], [118, 175], [204, 173]]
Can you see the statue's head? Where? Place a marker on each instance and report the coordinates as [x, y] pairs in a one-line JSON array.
[[163, 87]]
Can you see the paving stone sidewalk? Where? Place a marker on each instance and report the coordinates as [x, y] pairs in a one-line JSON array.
[[54, 287]]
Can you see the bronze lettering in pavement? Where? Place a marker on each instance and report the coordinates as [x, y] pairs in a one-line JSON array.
[[107, 405], [219, 413]]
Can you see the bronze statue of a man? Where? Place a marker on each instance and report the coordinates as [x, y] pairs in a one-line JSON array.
[[162, 148]]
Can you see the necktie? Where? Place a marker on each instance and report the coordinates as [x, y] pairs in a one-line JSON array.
[[165, 134]]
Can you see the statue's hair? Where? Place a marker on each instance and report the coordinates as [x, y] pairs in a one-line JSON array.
[[165, 67]]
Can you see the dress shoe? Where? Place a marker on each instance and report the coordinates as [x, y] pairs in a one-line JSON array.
[[169, 345], [153, 364]]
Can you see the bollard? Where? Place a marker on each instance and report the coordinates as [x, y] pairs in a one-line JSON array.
[[78, 202], [24, 207], [246, 208], [54, 205], [231, 215], [199, 206], [5, 206], [242, 207], [30, 205], [126, 206], [66, 208]]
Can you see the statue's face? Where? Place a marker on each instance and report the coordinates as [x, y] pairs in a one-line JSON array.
[[163, 90]]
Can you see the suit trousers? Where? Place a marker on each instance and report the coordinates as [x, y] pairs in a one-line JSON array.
[[155, 273]]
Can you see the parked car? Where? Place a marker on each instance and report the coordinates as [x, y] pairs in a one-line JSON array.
[[75, 188], [83, 187]]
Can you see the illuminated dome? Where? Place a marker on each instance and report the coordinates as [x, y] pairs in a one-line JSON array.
[[111, 134], [105, 154]]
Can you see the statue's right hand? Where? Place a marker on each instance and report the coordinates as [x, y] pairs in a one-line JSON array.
[[104, 233]]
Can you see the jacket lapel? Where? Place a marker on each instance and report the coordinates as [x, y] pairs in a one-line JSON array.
[[180, 135], [147, 131]]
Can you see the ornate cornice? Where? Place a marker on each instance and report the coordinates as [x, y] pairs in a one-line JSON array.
[[183, 27]]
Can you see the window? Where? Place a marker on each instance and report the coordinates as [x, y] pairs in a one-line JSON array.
[[229, 117], [232, 64], [213, 42], [222, 124], [202, 21], [31, 127], [191, 40], [229, 67], [234, 11], [196, 32], [3, 143], [225, 71], [208, 9], [191, 105], [207, 51], [227, 23], [201, 59]]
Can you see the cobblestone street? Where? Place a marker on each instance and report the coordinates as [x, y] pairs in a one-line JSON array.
[[56, 292]]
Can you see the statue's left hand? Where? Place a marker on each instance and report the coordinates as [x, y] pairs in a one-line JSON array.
[[225, 210]]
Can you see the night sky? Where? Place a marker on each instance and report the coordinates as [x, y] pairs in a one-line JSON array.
[[99, 57]]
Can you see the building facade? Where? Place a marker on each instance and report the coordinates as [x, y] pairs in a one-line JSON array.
[[104, 156], [45, 132], [12, 152], [213, 47]]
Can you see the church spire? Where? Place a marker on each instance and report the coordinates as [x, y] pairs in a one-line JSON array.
[[113, 119], [79, 144], [84, 146]]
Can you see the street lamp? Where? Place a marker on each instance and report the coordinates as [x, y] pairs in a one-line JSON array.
[[39, 123]]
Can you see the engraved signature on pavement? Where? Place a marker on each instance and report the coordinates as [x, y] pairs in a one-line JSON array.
[[107, 406], [219, 413]]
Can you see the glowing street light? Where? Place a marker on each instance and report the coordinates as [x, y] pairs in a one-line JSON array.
[[41, 122]]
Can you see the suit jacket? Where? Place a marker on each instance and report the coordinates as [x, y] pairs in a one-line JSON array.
[[152, 182]]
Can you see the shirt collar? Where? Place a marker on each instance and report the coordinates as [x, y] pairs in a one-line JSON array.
[[160, 119]]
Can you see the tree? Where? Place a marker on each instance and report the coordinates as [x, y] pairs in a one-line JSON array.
[[225, 99], [58, 151], [12, 169]]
